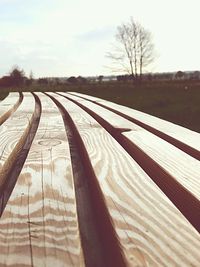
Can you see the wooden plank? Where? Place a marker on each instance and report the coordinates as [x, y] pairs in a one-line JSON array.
[[178, 164], [175, 131], [182, 193], [9, 105], [150, 229], [39, 225], [12, 132]]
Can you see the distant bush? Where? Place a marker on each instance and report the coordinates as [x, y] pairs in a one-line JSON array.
[[124, 78], [81, 79], [43, 81], [100, 78], [179, 75], [72, 79]]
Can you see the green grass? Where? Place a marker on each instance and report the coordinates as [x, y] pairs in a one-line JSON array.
[[175, 101], [3, 95]]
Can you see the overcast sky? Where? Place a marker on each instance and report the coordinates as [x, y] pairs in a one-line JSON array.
[[71, 37]]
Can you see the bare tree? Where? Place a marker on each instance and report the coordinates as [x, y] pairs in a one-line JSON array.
[[134, 49]]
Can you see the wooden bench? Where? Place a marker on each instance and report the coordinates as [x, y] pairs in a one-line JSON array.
[[96, 188]]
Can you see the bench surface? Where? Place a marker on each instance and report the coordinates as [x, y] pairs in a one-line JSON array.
[[87, 182]]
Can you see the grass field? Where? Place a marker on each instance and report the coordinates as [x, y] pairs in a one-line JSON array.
[[178, 102], [3, 95]]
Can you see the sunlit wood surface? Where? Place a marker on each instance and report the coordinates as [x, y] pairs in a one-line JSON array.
[[13, 132], [180, 133], [8, 105], [96, 188]]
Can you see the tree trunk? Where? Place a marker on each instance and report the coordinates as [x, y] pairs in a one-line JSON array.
[[132, 72], [141, 64]]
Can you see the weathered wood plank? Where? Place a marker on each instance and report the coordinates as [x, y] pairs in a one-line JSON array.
[[9, 105], [185, 139], [99, 241], [151, 230], [39, 225], [13, 131], [182, 167]]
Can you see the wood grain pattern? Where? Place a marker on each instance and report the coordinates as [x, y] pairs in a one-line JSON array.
[[74, 158], [12, 133], [152, 232], [39, 225], [178, 193], [99, 240], [173, 160], [9, 105], [179, 136]]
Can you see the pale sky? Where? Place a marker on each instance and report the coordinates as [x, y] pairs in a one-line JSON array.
[[64, 38]]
